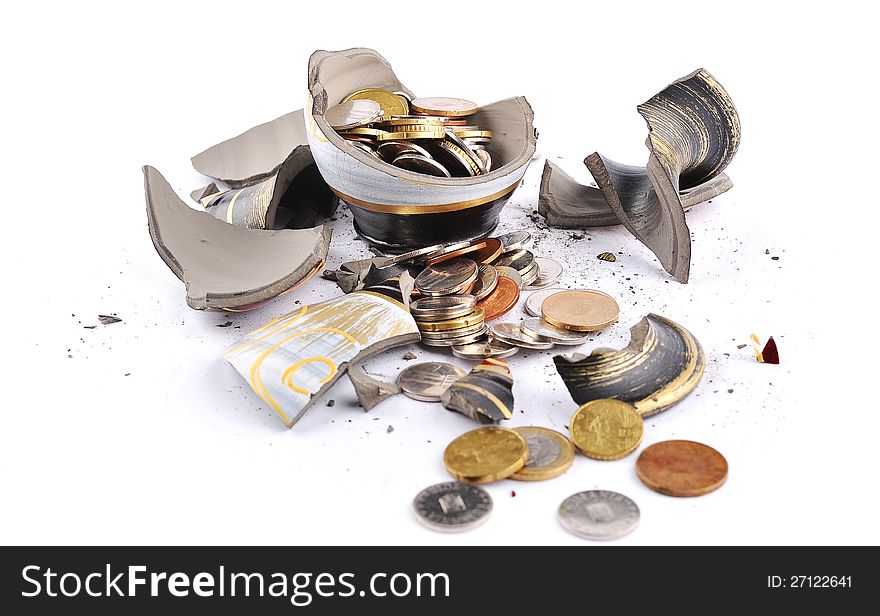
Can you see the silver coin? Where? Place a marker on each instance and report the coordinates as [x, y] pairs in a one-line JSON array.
[[549, 272], [533, 303], [478, 351], [484, 156], [455, 333], [412, 255], [512, 334], [530, 274], [520, 260], [509, 272], [447, 248], [487, 280], [599, 514], [421, 164], [447, 277], [536, 326], [442, 307], [353, 114], [452, 506], [472, 141], [517, 240], [428, 381], [476, 337], [389, 150]]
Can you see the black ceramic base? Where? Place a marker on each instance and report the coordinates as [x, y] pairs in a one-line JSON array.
[[395, 233]]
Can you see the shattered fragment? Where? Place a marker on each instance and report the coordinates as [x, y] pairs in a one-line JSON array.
[[224, 266], [107, 319], [661, 365], [256, 154], [291, 361], [769, 354], [485, 395], [693, 134], [409, 356], [606, 256], [370, 391]]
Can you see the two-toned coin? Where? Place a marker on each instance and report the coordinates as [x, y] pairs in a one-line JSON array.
[[550, 454]]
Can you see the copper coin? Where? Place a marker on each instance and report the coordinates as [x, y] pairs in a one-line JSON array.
[[681, 468], [580, 310], [490, 251], [502, 299], [444, 106], [474, 247]]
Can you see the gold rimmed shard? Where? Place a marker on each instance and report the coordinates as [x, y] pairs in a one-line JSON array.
[[662, 364]]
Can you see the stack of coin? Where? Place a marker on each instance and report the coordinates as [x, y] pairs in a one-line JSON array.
[[433, 135]]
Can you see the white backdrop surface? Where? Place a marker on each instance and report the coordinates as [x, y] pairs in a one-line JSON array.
[[138, 432]]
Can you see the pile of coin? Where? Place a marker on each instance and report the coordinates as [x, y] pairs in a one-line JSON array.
[[430, 135], [464, 285]]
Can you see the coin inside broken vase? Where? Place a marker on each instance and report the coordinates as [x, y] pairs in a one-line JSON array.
[[395, 208], [662, 364], [222, 265], [693, 134]]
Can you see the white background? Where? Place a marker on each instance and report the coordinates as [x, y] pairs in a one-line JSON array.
[[139, 433]]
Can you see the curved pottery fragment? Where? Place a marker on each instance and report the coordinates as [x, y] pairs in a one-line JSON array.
[[568, 204], [256, 154], [485, 394], [224, 266], [397, 209], [291, 361], [662, 364], [694, 132]]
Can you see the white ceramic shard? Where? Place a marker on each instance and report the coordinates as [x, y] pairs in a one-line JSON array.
[[292, 360], [254, 155], [224, 266]]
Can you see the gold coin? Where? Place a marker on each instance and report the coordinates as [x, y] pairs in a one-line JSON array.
[[456, 323], [580, 310], [466, 133], [411, 128], [417, 134], [486, 454], [392, 104], [363, 131], [606, 429], [550, 454]]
